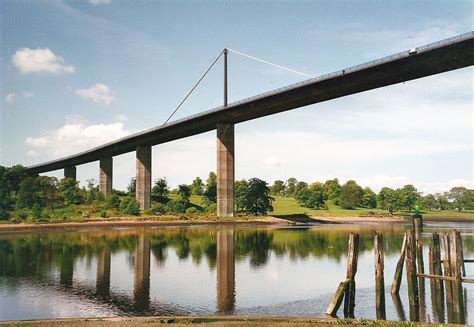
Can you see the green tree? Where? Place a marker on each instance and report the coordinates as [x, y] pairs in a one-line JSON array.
[[390, 200], [132, 186], [197, 187], [333, 188], [278, 187], [49, 186], [6, 200], [259, 201], [290, 186], [442, 202], [457, 196], [317, 196], [113, 201], [69, 191], [369, 199], [129, 206], [210, 194], [241, 191], [428, 202], [160, 188], [350, 196], [299, 186], [30, 193], [410, 196], [14, 176], [185, 193], [469, 200], [91, 191]]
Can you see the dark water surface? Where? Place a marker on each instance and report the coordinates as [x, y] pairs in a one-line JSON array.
[[290, 271]]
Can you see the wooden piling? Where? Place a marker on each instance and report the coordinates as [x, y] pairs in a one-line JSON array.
[[456, 264], [397, 279], [436, 284], [350, 288], [379, 278], [337, 299], [463, 266], [410, 264], [445, 244]]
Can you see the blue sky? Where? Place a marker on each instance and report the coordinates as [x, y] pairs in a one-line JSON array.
[[75, 74]]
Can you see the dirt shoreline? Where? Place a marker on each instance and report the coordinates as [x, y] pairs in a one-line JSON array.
[[127, 222]]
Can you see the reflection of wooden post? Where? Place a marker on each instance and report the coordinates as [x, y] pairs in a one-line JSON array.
[[103, 273], [397, 279], [398, 306], [352, 258], [225, 272], [410, 263], [379, 280], [141, 287]]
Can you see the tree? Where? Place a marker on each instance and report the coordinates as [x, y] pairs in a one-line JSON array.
[[299, 186], [185, 193], [91, 192], [278, 187], [210, 194], [369, 199], [290, 186], [442, 202], [113, 201], [428, 202], [69, 191], [255, 197], [333, 188], [197, 187], [241, 190], [130, 206], [30, 193], [317, 196], [350, 196], [14, 175], [132, 186], [390, 200], [457, 196], [469, 200], [49, 186], [410, 196], [6, 200], [160, 188]]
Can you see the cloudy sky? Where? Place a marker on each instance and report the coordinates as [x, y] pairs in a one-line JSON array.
[[76, 74]]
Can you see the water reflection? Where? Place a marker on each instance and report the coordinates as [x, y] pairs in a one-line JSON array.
[[58, 261]]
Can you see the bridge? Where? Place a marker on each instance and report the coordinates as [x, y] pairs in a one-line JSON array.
[[434, 58]]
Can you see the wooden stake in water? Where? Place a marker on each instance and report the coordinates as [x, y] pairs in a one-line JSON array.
[[447, 273], [456, 264], [410, 263], [379, 279], [436, 284], [397, 279], [350, 287]]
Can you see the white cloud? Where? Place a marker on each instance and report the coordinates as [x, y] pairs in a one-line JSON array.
[[98, 93], [100, 2], [40, 61], [120, 117], [32, 154], [10, 97], [74, 137]]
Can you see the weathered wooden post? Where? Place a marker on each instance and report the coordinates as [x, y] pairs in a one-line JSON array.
[[379, 279], [337, 299], [418, 223], [397, 279], [436, 284], [447, 272], [410, 263], [456, 264], [350, 289], [463, 266]]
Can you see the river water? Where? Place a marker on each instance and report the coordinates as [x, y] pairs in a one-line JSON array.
[[206, 270]]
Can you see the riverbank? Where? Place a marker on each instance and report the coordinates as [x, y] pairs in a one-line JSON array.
[[210, 321]]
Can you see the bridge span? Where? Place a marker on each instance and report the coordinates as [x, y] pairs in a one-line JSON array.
[[438, 57]]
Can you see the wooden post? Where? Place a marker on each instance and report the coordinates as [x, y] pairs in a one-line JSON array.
[[436, 284], [410, 263], [379, 279], [397, 279], [420, 266], [456, 264], [463, 266], [447, 272], [350, 288], [336, 300]]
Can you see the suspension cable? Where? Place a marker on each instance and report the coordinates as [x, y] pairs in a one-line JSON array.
[[195, 85], [269, 63]]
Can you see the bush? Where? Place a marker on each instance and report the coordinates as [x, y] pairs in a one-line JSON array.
[[129, 206], [36, 212], [113, 201], [175, 206], [212, 208], [192, 210], [157, 209], [23, 215], [86, 214], [104, 214]]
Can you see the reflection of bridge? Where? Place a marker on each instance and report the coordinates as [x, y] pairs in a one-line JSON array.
[[140, 302], [435, 58]]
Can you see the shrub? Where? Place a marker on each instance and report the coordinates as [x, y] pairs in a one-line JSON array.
[[175, 206], [36, 212], [130, 206], [157, 209], [86, 214], [192, 210], [113, 201], [22, 215], [104, 214], [212, 208]]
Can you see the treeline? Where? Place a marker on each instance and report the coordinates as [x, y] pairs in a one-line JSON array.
[[350, 195]]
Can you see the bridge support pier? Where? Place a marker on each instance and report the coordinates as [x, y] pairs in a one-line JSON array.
[[70, 172], [143, 193], [105, 176], [225, 170]]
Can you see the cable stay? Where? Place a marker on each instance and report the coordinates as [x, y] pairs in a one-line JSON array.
[[270, 63], [195, 85]]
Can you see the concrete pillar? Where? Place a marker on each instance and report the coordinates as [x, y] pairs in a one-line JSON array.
[[144, 176], [103, 273], [141, 285], [225, 272], [225, 170], [105, 175], [70, 172]]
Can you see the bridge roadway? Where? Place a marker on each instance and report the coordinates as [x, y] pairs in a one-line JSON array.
[[442, 56]]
